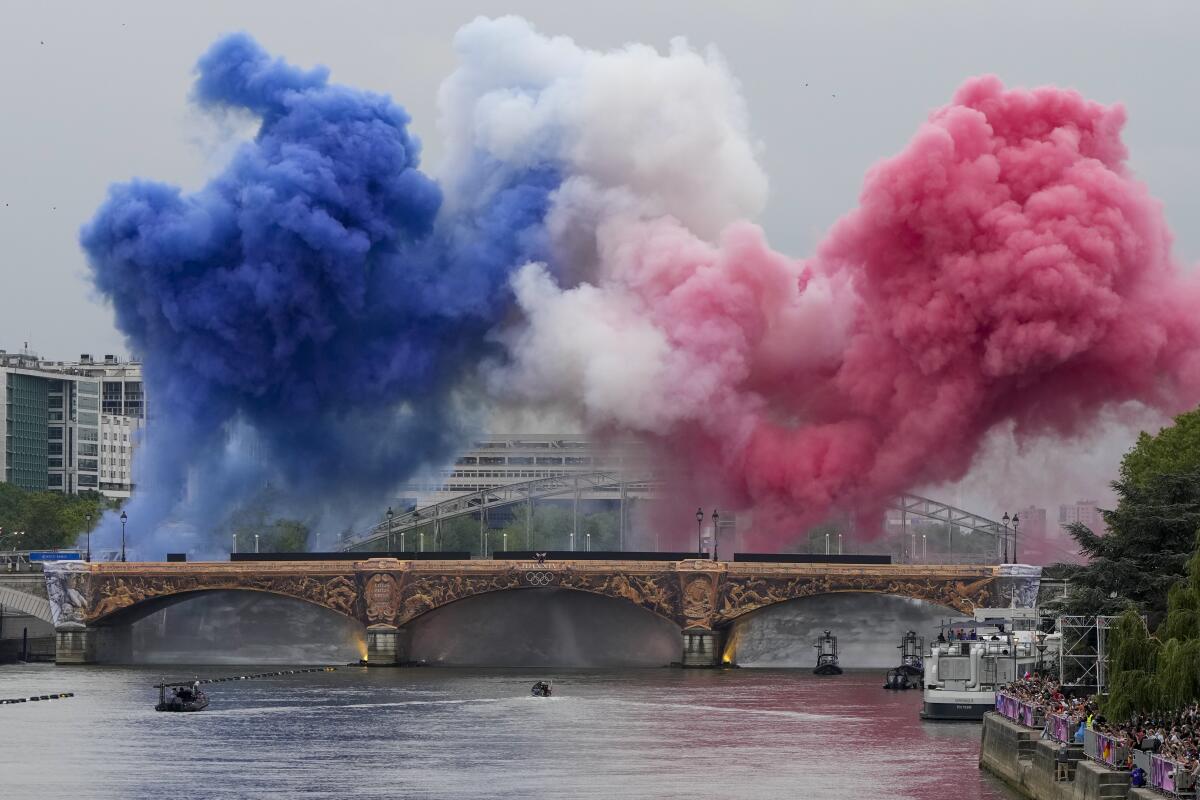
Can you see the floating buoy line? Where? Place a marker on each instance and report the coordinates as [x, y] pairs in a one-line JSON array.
[[36, 698], [248, 677]]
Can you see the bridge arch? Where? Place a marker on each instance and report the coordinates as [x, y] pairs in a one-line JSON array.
[[26, 603], [546, 626], [740, 595], [124, 598], [868, 627], [399, 603]]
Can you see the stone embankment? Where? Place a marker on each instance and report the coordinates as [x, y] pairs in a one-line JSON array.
[[1026, 762]]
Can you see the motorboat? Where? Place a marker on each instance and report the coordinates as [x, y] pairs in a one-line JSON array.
[[186, 696], [912, 666], [541, 689], [827, 657], [973, 657]]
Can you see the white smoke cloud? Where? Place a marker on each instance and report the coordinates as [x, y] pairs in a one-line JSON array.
[[665, 133]]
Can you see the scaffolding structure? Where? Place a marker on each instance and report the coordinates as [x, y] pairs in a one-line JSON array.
[[1083, 655]]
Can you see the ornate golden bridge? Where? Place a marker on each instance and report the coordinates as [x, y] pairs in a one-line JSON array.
[[701, 597]]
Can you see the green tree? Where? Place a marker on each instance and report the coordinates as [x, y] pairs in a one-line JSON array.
[[1150, 532], [47, 520], [1160, 672], [1174, 449], [1145, 552]]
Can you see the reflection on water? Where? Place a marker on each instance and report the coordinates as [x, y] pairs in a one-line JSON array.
[[456, 733]]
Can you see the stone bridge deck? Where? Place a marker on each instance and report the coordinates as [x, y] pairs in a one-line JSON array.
[[701, 597]]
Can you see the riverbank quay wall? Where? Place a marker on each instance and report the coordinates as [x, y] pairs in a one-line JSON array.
[[1022, 759], [93, 604]]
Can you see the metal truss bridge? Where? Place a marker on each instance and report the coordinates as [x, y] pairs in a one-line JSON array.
[[623, 487]]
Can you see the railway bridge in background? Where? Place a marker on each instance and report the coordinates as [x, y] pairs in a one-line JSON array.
[[92, 602], [620, 487]]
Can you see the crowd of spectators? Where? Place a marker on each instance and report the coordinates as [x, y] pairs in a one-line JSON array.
[[1175, 736]]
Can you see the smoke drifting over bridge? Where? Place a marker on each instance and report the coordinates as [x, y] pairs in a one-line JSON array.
[[325, 317]]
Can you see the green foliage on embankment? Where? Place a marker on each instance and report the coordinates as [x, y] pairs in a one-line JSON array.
[[1159, 672], [33, 520], [1151, 532]]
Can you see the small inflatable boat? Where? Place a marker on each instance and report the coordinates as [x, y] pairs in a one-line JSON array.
[[540, 689]]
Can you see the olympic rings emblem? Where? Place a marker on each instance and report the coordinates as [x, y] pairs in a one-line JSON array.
[[539, 578]]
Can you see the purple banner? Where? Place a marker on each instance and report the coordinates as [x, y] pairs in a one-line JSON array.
[[1110, 751], [1060, 728], [1011, 708], [1162, 773]]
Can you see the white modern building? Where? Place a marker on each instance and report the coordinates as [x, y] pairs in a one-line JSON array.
[[70, 426], [501, 459]]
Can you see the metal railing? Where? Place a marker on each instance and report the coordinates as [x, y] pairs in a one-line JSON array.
[[1105, 749], [1061, 729]]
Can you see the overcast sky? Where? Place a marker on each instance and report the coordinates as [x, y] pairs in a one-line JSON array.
[[97, 92]]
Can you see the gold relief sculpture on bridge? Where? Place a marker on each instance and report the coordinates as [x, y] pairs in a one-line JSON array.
[[657, 592], [115, 592], [698, 594], [741, 595], [426, 592], [692, 594], [382, 597]]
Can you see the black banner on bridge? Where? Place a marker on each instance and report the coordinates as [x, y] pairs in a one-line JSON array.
[[351, 555], [592, 555], [811, 558]]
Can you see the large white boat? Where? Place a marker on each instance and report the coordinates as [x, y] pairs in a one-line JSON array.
[[974, 657]]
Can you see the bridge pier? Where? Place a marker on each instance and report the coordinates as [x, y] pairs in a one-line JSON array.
[[75, 644], [82, 644], [387, 646], [702, 648]]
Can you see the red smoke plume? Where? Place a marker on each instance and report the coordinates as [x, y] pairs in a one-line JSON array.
[[1005, 265]]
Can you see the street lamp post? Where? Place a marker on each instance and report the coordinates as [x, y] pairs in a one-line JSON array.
[[389, 516], [234, 550], [716, 518], [699, 522], [422, 541], [839, 543], [256, 543], [1004, 521], [124, 519], [88, 517], [1016, 524], [589, 542]]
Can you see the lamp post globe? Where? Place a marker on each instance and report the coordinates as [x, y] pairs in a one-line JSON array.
[[389, 516], [1016, 522], [124, 519]]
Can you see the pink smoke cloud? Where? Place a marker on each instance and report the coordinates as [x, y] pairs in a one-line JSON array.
[[1004, 267]]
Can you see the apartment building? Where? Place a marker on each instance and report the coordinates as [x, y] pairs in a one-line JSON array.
[[70, 426]]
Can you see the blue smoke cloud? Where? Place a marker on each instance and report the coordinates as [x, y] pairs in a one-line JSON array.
[[310, 319]]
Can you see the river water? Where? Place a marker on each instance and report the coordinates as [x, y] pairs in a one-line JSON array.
[[473, 733]]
